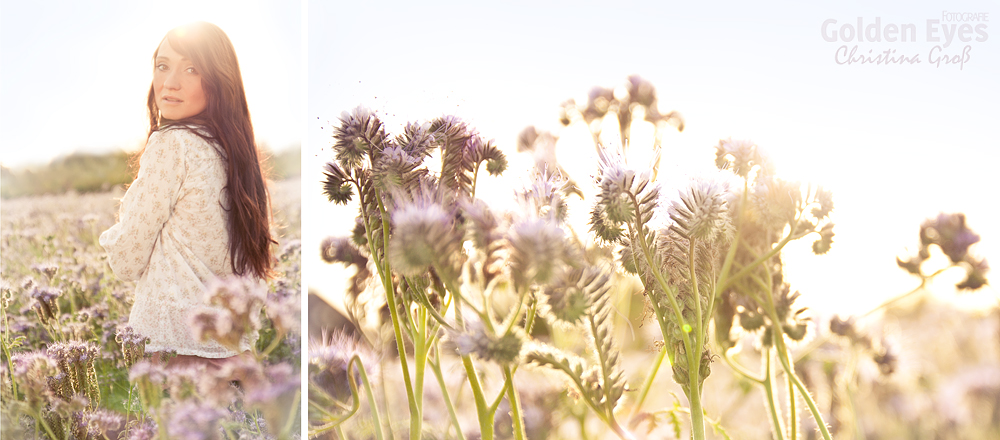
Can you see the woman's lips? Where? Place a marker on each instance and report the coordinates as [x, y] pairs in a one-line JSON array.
[[171, 100]]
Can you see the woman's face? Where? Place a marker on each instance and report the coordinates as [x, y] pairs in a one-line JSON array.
[[176, 84]]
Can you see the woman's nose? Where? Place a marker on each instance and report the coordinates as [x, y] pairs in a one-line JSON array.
[[171, 82]]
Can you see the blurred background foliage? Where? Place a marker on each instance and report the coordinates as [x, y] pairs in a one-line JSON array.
[[90, 172]]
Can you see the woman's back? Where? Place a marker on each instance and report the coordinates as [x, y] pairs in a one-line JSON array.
[[172, 238]]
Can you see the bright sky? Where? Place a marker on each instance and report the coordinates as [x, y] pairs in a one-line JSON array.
[[896, 143], [74, 75]]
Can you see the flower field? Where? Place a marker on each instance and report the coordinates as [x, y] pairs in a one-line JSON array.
[[660, 312], [73, 369]]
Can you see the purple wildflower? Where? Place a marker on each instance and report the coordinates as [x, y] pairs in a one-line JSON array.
[[196, 421]]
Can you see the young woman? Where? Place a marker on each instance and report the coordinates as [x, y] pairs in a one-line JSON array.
[[198, 208]]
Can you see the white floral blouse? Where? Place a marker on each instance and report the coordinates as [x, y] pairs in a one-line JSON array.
[[172, 239]]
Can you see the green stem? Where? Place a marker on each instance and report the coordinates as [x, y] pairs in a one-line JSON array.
[[128, 408], [609, 411], [648, 383], [529, 319], [423, 298], [161, 427], [384, 404], [285, 430], [515, 405], [420, 358], [483, 413], [746, 270], [499, 399], [694, 356], [692, 273], [778, 337], [10, 366], [373, 407], [278, 338], [731, 255], [923, 283], [772, 406], [355, 405], [793, 415], [475, 178], [225, 428], [579, 386], [436, 367], [817, 416], [390, 292], [318, 406], [45, 425], [820, 340], [637, 234], [693, 353], [619, 431], [779, 344], [697, 414], [739, 369]]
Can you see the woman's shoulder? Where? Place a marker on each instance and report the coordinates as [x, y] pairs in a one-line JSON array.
[[187, 133], [190, 139]]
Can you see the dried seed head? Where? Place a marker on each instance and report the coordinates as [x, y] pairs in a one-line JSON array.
[[641, 91], [618, 183], [950, 233], [774, 201], [424, 234], [144, 428], [78, 375], [621, 189], [825, 199], [396, 170], [360, 134], [28, 283], [481, 150], [886, 357], [47, 269], [482, 225], [701, 210], [31, 372], [598, 103], [337, 184], [329, 357], [822, 245], [741, 156], [45, 303], [566, 301], [538, 247], [545, 196], [503, 349], [526, 139], [341, 250], [6, 294], [417, 139], [975, 276], [103, 422]]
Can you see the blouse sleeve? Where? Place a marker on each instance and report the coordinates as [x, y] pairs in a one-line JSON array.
[[147, 205]]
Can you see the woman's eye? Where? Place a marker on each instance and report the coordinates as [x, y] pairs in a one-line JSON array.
[[161, 67], [191, 70]]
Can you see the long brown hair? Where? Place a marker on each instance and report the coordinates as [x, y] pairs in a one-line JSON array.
[[226, 122]]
